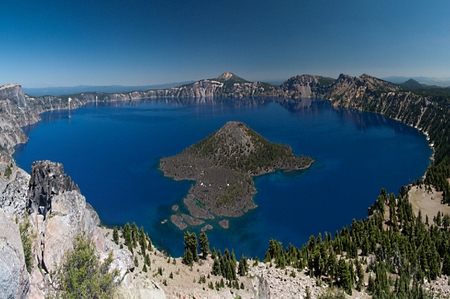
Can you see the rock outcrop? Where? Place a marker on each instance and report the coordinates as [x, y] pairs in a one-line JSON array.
[[48, 180], [14, 93], [14, 279], [15, 113], [299, 87]]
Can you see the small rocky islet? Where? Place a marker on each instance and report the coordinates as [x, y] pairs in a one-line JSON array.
[[223, 166]]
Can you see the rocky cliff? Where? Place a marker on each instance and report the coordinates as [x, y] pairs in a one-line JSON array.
[[57, 212]]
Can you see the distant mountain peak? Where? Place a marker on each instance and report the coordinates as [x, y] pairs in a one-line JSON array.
[[229, 77], [226, 76], [411, 83]]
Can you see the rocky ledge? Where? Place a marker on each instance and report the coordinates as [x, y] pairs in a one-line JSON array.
[[223, 165]]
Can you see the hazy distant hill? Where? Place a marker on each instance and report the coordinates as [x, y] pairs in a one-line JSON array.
[[411, 83], [442, 82], [65, 90]]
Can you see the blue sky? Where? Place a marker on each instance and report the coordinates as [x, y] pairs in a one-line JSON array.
[[142, 42]]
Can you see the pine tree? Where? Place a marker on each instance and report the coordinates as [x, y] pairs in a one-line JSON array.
[[243, 266], [149, 242], [116, 235], [359, 274], [142, 240], [204, 245], [446, 264], [27, 243], [190, 246], [81, 275], [345, 280], [127, 235], [134, 234], [216, 270], [188, 259], [147, 260]]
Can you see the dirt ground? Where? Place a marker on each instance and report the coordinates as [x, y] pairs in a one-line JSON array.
[[428, 202]]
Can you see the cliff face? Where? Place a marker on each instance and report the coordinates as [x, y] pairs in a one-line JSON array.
[[299, 87], [14, 114], [57, 212], [14, 93]]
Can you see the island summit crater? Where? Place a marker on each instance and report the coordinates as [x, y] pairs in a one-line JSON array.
[[223, 165]]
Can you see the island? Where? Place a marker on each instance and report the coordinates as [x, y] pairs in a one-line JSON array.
[[223, 166]]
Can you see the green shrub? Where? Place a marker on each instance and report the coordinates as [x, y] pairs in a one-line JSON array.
[[81, 275]]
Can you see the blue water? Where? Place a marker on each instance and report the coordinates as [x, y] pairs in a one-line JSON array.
[[112, 153]]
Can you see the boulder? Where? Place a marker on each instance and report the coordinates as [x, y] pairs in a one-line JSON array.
[[14, 278]]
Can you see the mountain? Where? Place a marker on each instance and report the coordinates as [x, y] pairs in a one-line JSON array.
[[441, 82], [230, 78], [411, 83]]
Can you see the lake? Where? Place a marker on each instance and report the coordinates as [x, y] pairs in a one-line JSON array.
[[112, 153]]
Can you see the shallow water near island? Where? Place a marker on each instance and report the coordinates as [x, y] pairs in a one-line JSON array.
[[112, 153]]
